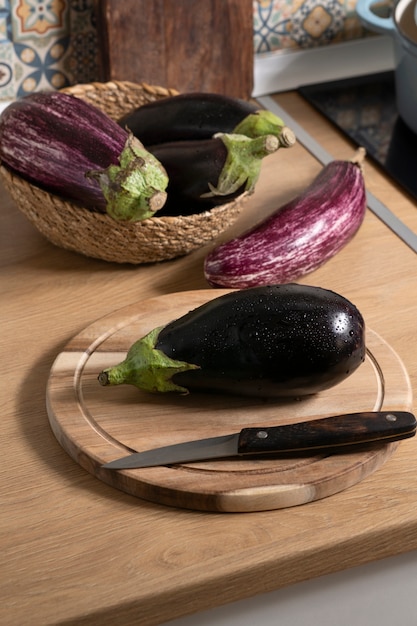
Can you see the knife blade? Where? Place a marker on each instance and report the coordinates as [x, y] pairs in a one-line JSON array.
[[330, 433]]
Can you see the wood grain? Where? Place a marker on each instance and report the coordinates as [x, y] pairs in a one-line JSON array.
[[97, 425], [187, 45], [76, 551]]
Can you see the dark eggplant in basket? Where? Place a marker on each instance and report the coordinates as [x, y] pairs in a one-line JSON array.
[[209, 172], [199, 116], [272, 341], [69, 147]]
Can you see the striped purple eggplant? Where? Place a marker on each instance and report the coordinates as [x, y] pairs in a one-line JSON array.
[[69, 147], [300, 236]]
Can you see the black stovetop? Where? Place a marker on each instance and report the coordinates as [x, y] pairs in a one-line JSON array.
[[364, 109]]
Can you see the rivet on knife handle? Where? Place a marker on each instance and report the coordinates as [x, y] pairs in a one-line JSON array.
[[329, 432]]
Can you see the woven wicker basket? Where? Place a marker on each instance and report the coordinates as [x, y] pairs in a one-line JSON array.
[[99, 236]]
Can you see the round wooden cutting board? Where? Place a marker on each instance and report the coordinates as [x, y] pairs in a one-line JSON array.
[[96, 424]]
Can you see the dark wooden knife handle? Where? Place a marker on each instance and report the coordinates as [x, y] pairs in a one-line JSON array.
[[329, 432]]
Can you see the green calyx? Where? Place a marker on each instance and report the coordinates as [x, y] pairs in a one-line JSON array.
[[243, 162], [135, 189], [263, 122], [146, 367]]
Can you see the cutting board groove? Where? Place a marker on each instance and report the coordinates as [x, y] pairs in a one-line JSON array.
[[95, 424]]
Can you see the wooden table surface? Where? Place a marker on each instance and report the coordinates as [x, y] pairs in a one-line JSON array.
[[76, 551]]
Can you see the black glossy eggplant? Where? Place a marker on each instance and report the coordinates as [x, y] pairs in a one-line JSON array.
[[199, 116], [70, 148], [271, 341], [209, 172]]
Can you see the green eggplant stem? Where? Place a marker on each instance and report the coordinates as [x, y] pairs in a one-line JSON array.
[[146, 367], [263, 122], [359, 158], [286, 138], [134, 189], [243, 162]]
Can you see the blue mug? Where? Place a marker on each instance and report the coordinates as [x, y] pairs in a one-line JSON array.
[[401, 25]]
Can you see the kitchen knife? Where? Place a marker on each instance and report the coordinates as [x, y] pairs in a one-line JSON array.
[[330, 433]]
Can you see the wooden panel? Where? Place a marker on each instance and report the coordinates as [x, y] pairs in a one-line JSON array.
[[96, 425], [187, 45]]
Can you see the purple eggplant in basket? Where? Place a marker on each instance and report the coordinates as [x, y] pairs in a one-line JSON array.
[[300, 236], [208, 172], [71, 148]]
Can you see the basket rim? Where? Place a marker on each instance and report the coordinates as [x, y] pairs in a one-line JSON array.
[[14, 178], [149, 88]]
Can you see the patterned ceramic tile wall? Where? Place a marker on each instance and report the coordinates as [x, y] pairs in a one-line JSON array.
[[283, 24], [46, 44]]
